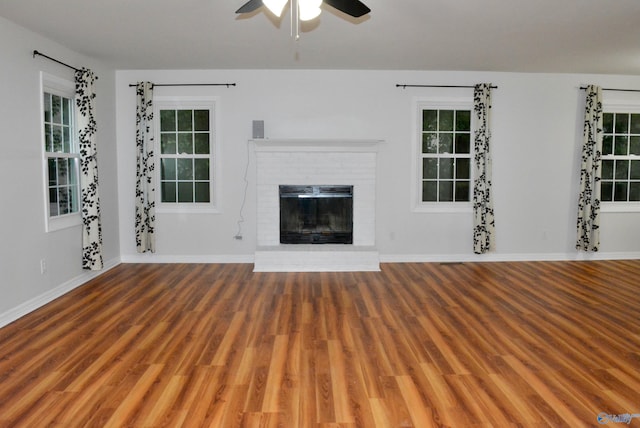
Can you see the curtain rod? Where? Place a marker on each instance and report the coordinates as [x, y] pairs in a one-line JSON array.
[[404, 86], [614, 89], [132, 85], [54, 60]]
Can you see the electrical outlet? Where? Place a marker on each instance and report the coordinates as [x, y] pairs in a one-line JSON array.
[[43, 266]]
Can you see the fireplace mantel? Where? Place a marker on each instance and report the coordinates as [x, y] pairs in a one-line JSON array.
[[316, 162]]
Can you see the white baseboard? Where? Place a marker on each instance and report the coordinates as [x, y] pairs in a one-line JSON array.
[[494, 257], [31, 305], [180, 258]]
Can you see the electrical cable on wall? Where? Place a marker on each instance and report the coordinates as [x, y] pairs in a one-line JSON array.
[[238, 235]]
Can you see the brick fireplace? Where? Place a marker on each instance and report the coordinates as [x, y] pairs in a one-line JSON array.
[[313, 163]]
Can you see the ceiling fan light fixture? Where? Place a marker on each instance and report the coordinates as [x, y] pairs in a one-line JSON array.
[[275, 6], [309, 9]]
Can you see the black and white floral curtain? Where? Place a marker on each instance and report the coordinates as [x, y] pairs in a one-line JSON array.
[[86, 124], [145, 170], [483, 220], [590, 173]]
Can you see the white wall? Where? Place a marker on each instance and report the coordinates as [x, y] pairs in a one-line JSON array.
[[24, 241], [536, 137]]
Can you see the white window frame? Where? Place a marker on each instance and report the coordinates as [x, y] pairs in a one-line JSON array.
[[626, 106], [62, 87], [190, 103], [426, 103]]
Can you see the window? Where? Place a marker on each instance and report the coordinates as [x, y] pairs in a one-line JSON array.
[[444, 153], [187, 150], [61, 155], [620, 157]]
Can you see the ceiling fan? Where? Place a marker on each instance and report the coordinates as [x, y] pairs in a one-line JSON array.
[[308, 9]]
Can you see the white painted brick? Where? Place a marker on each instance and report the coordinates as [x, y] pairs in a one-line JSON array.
[[319, 166]]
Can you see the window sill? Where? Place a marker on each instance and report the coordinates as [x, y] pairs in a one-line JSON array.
[[63, 222]]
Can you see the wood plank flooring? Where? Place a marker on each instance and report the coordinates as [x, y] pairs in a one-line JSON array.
[[527, 344]]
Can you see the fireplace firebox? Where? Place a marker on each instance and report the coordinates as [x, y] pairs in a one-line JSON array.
[[316, 214]]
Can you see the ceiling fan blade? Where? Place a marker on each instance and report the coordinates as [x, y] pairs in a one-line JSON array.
[[354, 8], [249, 6]]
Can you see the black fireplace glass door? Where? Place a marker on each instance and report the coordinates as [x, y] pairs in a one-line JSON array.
[[316, 214]]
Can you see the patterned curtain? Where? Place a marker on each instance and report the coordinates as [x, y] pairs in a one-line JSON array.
[[145, 181], [590, 170], [483, 221], [91, 227]]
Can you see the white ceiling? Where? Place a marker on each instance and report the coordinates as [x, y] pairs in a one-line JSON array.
[[566, 36]]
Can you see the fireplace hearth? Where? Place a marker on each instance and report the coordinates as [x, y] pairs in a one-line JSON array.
[[316, 214]]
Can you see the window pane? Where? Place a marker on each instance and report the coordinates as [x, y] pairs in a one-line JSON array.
[[429, 191], [53, 202], [63, 172], [48, 141], [430, 168], [463, 169], [57, 138], [201, 169], [201, 120], [56, 105], [634, 145], [185, 192], [446, 143], [622, 123], [607, 169], [53, 172], [635, 170], [635, 124], [620, 191], [168, 192], [634, 191], [463, 120], [168, 144], [446, 120], [66, 111], [47, 107], [202, 144], [607, 144], [429, 120], [73, 168], [430, 142], [621, 145], [462, 191], [446, 191], [202, 192], [463, 143], [607, 123], [63, 200], [446, 168], [73, 199], [185, 120], [185, 143], [66, 140], [185, 170], [622, 169], [606, 191], [167, 120], [168, 169]]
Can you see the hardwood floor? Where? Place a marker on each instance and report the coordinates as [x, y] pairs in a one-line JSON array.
[[417, 345]]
